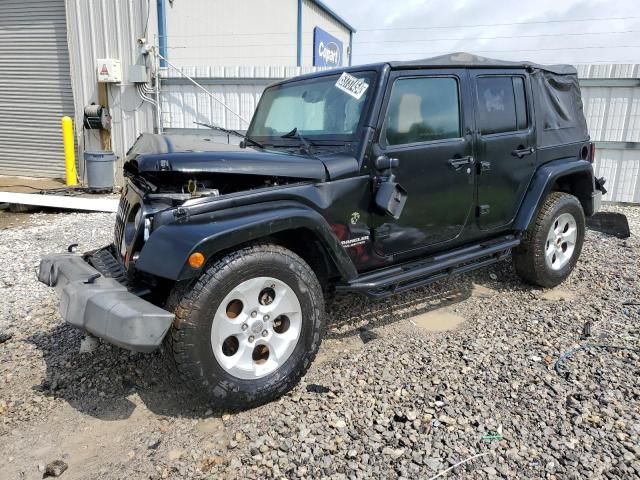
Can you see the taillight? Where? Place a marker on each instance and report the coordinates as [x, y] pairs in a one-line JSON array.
[[592, 152]]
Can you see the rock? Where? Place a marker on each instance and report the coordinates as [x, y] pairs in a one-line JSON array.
[[425, 398], [432, 463], [88, 344], [339, 423], [393, 453], [175, 454], [55, 469]]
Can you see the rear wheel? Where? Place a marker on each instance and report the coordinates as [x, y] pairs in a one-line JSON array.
[[551, 247], [249, 328]]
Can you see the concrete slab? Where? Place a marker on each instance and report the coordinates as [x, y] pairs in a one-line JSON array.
[[109, 204], [29, 184]]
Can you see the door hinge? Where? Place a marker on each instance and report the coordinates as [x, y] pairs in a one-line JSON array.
[[483, 210], [484, 167]]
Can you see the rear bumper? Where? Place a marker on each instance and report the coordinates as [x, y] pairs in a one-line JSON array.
[[102, 306]]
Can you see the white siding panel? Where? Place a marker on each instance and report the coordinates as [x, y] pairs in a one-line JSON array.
[[596, 101], [621, 168], [228, 32], [634, 117]]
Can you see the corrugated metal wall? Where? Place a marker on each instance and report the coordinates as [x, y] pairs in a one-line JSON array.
[[240, 88], [35, 87], [611, 96], [109, 29]]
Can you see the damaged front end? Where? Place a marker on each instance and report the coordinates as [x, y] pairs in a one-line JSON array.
[[173, 169], [166, 172]]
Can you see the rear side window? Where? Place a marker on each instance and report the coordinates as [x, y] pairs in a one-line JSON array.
[[422, 110], [502, 104]]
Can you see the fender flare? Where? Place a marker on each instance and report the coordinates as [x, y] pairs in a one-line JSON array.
[[542, 182], [166, 252]]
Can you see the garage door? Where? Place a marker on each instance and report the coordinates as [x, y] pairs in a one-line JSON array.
[[35, 87]]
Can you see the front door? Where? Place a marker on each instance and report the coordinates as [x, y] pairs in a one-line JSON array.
[[426, 127], [505, 146]]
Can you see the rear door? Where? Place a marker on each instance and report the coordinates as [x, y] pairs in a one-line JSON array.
[[505, 144], [425, 126]]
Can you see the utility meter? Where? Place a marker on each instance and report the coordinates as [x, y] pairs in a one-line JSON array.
[[109, 70]]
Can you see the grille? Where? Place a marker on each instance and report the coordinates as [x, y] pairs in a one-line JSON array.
[[121, 218]]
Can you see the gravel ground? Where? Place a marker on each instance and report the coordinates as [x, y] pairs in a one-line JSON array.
[[405, 387]]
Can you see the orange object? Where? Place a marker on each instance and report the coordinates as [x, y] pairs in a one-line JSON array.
[[196, 260]]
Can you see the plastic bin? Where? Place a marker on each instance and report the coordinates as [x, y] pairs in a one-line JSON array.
[[99, 170]]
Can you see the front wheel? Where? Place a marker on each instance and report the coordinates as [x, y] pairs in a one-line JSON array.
[[249, 328], [550, 248]]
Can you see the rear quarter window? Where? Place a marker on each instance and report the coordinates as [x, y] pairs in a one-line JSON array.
[[502, 105]]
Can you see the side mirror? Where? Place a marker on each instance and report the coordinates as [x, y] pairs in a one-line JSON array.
[[391, 197]]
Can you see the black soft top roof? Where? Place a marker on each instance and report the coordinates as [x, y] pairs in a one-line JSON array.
[[462, 59]]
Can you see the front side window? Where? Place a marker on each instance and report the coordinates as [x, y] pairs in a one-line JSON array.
[[317, 108], [422, 110], [502, 105]]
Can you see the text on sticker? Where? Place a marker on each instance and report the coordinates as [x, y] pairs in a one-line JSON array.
[[352, 85]]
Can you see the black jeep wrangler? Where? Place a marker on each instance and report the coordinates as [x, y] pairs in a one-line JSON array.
[[371, 179]]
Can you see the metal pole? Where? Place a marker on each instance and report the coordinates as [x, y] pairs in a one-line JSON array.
[[156, 62], [69, 151]]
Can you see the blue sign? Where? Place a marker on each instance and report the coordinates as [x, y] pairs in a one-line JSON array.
[[327, 49]]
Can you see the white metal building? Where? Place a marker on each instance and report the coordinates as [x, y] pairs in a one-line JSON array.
[[49, 50]]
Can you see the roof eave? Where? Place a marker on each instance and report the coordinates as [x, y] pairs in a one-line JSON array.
[[335, 16]]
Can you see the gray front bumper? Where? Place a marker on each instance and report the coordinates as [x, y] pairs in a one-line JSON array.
[[104, 308]]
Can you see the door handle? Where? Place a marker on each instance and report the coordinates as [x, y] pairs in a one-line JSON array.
[[458, 162], [522, 152]]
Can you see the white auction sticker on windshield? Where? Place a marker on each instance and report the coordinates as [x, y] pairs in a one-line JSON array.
[[352, 85]]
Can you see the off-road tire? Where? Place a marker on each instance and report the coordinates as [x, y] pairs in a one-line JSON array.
[[189, 344], [529, 256]]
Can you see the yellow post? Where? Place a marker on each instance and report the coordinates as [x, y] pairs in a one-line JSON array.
[[69, 151]]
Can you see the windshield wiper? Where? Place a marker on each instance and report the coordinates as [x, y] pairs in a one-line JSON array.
[[295, 134], [230, 132]]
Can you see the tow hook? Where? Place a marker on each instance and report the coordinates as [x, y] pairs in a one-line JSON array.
[[72, 248]]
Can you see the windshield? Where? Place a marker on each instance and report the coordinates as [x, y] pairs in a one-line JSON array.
[[324, 108]]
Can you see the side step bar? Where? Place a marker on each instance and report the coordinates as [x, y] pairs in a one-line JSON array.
[[424, 271]]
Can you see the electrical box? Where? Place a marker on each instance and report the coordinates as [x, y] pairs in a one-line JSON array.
[[137, 74], [109, 70]]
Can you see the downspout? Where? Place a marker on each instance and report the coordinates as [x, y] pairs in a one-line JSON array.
[[350, 45], [162, 31], [299, 33]]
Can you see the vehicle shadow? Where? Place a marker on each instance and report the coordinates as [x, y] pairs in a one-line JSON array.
[[108, 383], [351, 314]]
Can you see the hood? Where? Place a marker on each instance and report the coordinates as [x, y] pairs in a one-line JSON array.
[[158, 156]]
